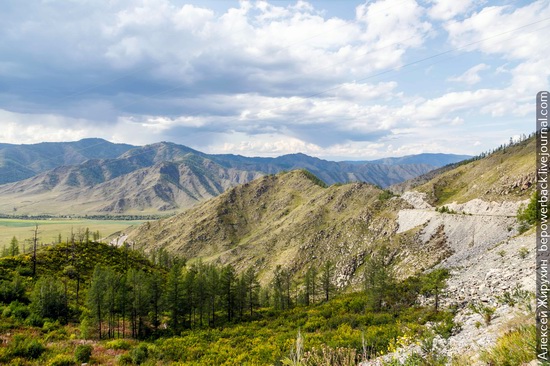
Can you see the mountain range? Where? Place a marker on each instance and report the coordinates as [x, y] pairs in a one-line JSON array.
[[295, 220], [94, 176]]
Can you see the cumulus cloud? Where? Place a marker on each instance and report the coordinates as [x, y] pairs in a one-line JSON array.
[[471, 76], [448, 9], [264, 77]]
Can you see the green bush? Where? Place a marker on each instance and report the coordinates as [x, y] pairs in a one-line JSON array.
[[118, 344], [26, 347], [530, 214], [139, 354], [49, 326], [16, 310], [34, 320], [124, 359], [385, 195], [62, 360], [83, 352]]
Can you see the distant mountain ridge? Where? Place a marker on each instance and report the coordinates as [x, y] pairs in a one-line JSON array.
[[18, 162], [435, 159], [157, 177]]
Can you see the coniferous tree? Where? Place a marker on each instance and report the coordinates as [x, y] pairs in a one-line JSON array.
[[113, 283], [201, 291], [326, 279], [48, 299], [379, 279], [252, 287], [139, 300], [14, 247], [278, 288], [189, 294], [287, 284], [95, 300], [228, 281], [174, 296], [156, 287], [212, 291], [434, 283]]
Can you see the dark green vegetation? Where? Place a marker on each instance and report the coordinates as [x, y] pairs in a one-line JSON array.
[[530, 214], [199, 314]]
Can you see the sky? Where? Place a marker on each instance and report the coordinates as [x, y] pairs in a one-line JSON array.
[[339, 80]]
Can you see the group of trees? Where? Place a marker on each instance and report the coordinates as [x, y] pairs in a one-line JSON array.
[[12, 249], [191, 296], [128, 295], [385, 292]]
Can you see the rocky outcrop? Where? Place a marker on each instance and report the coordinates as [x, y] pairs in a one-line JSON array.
[[488, 261]]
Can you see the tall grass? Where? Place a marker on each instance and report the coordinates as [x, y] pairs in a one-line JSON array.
[[513, 348]]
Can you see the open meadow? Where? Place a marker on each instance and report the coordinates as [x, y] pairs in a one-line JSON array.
[[50, 229]]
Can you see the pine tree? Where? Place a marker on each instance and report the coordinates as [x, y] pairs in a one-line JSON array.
[[228, 281], [379, 279], [278, 288], [433, 284], [174, 296], [48, 299], [156, 287], [326, 279], [95, 300], [252, 290], [212, 291], [139, 296], [14, 247]]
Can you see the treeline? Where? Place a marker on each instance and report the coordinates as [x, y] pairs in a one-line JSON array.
[[87, 217], [128, 295], [502, 147]]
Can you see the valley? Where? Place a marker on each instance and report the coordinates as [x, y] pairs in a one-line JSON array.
[[94, 176], [51, 229], [437, 270]]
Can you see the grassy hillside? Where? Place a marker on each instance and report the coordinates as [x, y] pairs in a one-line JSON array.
[[506, 175], [289, 219]]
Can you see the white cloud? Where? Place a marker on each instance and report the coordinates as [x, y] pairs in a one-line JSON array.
[[503, 30], [471, 76], [448, 9], [264, 77]]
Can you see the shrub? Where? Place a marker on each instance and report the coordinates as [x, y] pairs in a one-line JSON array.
[[514, 348], [385, 195], [530, 214], [118, 344], [124, 359], [16, 310], [50, 326], [139, 354], [26, 347], [34, 320], [83, 352], [62, 360], [485, 311], [523, 252]]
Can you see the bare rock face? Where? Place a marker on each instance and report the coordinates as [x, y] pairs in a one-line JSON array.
[[508, 184], [416, 199], [487, 259]]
